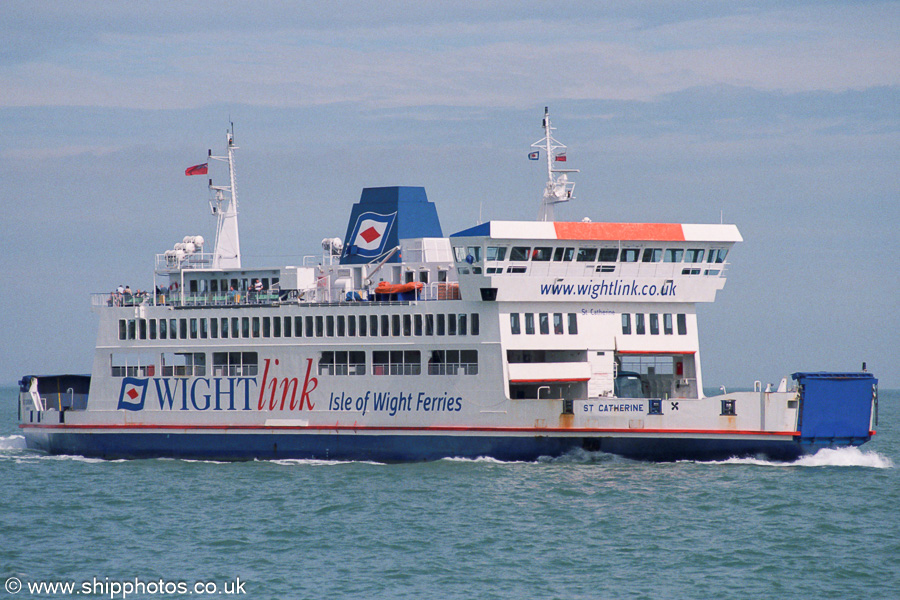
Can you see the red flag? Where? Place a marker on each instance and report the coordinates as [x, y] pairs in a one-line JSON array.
[[560, 158], [197, 169]]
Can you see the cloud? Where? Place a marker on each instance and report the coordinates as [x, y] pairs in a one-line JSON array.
[[486, 62]]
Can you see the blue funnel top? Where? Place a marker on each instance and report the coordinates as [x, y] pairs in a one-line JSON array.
[[384, 216]]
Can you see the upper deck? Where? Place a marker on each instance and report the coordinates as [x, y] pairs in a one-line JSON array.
[[540, 261]]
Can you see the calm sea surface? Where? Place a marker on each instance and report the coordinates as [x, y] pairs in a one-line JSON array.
[[588, 526]]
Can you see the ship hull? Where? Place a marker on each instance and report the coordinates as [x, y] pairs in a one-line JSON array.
[[409, 446]]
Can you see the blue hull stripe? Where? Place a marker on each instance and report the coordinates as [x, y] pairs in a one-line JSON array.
[[402, 448]]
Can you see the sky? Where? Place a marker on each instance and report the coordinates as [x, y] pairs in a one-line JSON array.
[[783, 118]]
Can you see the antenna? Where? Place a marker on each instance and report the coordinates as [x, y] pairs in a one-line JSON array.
[[559, 188], [228, 246]]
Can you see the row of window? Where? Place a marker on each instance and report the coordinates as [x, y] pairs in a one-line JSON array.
[[309, 326], [641, 320], [184, 364], [472, 254], [243, 284], [543, 321], [399, 362], [340, 362]]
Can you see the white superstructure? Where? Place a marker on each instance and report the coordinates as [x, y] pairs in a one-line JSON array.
[[510, 339]]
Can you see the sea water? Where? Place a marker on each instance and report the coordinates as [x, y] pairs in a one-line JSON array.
[[583, 526]]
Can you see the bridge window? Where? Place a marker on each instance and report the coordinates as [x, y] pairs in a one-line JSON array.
[[276, 327], [586, 255], [639, 328], [629, 255], [566, 254], [542, 254], [496, 253], [717, 255], [682, 324], [626, 324], [652, 255], [514, 326], [362, 326], [429, 324], [694, 255], [673, 255], [163, 330], [341, 325], [351, 325], [417, 325], [329, 325], [519, 253], [573, 324], [608, 254], [667, 324], [475, 323], [654, 324]]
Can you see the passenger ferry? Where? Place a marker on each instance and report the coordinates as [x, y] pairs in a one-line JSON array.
[[510, 339]]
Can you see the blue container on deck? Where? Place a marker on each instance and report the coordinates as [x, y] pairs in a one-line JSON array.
[[836, 407]]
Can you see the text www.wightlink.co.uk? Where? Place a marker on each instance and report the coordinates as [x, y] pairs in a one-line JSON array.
[[618, 287]]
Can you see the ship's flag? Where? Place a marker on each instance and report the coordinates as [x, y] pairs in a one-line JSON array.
[[560, 158], [534, 155], [197, 169]]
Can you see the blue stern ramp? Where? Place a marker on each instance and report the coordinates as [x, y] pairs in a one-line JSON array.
[[836, 408]]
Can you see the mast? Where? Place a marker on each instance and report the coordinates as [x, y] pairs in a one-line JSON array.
[[559, 188], [227, 253]]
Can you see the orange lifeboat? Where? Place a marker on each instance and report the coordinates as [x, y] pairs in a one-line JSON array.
[[398, 288]]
